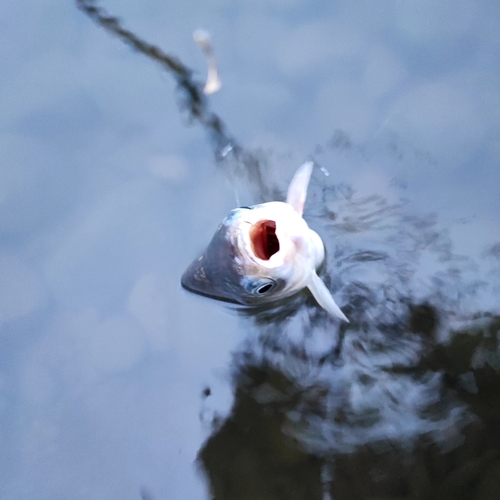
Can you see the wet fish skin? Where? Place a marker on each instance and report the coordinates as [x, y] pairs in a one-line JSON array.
[[264, 253]]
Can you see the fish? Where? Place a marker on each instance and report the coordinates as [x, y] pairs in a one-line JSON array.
[[264, 253]]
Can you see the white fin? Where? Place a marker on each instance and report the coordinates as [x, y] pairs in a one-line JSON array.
[[324, 297], [213, 83], [297, 191]]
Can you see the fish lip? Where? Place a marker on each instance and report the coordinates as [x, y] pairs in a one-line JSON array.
[[194, 280], [215, 274], [208, 295]]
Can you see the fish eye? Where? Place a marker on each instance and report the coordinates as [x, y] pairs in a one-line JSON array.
[[262, 287], [265, 288]]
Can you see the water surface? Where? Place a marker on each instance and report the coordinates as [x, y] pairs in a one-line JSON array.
[[116, 383]]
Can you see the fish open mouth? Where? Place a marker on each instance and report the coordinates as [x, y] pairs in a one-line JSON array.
[[265, 243]]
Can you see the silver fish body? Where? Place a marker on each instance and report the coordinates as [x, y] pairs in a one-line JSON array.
[[263, 253]]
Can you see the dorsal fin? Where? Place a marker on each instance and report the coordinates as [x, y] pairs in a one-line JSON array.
[[297, 191]]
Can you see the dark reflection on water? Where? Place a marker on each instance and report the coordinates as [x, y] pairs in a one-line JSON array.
[[388, 417]]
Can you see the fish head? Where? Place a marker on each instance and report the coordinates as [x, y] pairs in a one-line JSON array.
[[258, 255]]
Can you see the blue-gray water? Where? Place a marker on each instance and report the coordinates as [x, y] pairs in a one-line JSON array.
[[115, 383]]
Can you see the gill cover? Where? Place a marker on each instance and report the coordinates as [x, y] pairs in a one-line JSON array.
[[264, 253]]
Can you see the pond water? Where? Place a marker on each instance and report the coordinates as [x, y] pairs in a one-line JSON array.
[[116, 383]]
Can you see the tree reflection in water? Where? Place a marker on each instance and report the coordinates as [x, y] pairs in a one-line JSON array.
[[402, 403], [425, 429]]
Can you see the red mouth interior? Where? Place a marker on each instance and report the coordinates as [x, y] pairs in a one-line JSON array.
[[264, 240]]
